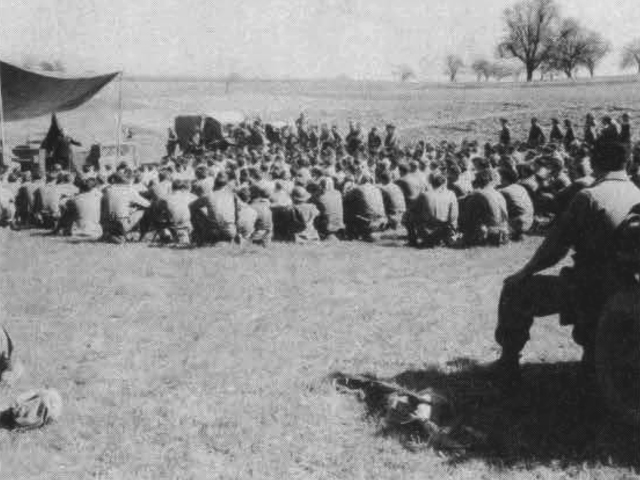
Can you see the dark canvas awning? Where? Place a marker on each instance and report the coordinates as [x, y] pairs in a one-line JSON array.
[[28, 94]]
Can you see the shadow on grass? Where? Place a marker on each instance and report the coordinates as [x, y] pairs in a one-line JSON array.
[[554, 419]]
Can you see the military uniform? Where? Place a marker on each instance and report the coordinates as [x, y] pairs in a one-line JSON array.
[[578, 294]]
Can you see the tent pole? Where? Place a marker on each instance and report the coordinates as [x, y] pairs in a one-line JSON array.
[[119, 122], [5, 157]]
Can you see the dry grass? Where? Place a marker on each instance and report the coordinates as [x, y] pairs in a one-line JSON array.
[[209, 363]]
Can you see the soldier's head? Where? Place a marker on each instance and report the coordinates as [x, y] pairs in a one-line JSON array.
[[437, 179], [88, 184], [608, 157]]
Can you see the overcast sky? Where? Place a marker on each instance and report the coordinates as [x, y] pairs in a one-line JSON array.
[[272, 38]]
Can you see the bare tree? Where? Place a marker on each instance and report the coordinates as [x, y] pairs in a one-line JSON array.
[[569, 47], [631, 55], [404, 73], [453, 64], [597, 49], [530, 26], [482, 68]]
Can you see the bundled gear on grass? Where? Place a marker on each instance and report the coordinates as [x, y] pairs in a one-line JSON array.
[[431, 410], [33, 409]]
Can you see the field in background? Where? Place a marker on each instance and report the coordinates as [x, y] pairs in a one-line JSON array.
[[421, 111], [212, 363]]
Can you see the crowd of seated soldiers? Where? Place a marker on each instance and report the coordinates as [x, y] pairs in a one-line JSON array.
[[303, 184]]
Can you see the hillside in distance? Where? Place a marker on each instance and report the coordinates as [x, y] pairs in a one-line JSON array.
[[431, 111]]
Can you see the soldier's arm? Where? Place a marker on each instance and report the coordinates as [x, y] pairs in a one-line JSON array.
[[561, 237], [139, 201]]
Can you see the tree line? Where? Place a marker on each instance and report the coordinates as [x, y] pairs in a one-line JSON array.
[[538, 39]]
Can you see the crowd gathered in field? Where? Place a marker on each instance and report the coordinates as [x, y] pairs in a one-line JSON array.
[[303, 183]]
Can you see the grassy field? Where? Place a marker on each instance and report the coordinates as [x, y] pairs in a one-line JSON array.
[[421, 111], [212, 363]]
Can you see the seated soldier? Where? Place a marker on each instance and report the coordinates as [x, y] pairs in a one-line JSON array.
[[122, 208], [25, 198], [330, 221], [213, 214], [203, 179], [161, 187], [529, 180], [412, 185], [435, 213], [394, 202], [581, 179], [519, 203], [67, 190], [7, 206], [364, 211], [13, 183], [82, 217], [247, 216], [579, 292], [304, 216], [175, 213], [46, 207], [263, 229], [484, 219], [66, 186]]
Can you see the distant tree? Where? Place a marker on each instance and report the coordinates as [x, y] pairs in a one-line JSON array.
[[230, 79], [569, 47], [575, 46], [631, 55], [530, 27], [453, 64], [549, 69], [404, 73], [482, 68], [597, 48], [32, 62], [59, 66], [516, 74], [500, 71]]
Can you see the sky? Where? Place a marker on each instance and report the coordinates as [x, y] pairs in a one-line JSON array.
[[278, 38]]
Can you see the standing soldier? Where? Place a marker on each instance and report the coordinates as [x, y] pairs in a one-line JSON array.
[[590, 133], [505, 132], [374, 142], [63, 151], [556, 135], [172, 143], [569, 135], [536, 136], [625, 133], [391, 141]]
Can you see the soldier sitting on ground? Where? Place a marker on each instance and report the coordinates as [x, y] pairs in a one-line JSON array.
[[587, 227]]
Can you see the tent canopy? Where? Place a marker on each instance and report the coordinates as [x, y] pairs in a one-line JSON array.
[[27, 94]]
